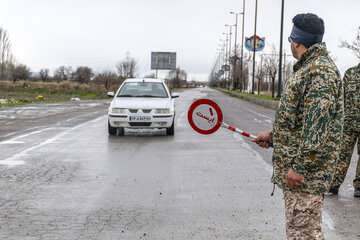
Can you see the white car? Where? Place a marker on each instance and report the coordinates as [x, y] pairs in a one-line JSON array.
[[142, 103]]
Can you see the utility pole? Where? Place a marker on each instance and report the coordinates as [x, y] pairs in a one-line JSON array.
[[254, 52], [226, 55], [236, 85], [229, 57], [281, 49], [284, 66], [261, 72], [242, 48]]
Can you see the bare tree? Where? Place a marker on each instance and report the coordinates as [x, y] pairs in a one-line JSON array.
[[83, 74], [108, 78], [288, 71], [69, 73], [271, 65], [354, 45], [127, 68], [6, 57], [244, 81], [20, 72], [60, 74], [177, 77], [44, 74], [63, 73], [260, 75]]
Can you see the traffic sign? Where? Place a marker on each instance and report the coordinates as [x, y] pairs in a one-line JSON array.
[[225, 67], [206, 117], [259, 43]]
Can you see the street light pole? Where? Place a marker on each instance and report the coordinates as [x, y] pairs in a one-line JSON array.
[[236, 26], [235, 49], [226, 54], [224, 50], [281, 49], [229, 57], [254, 52], [222, 45], [242, 47]]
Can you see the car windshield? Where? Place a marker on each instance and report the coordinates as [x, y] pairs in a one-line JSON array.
[[143, 89]]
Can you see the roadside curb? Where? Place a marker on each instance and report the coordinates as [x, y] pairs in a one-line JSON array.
[[272, 104]]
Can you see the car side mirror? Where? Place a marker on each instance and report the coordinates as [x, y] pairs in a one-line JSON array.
[[175, 95], [111, 94]]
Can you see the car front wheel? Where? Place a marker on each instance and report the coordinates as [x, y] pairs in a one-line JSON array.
[[171, 130], [112, 130], [121, 131]]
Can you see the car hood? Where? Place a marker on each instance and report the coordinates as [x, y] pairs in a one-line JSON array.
[[142, 103]]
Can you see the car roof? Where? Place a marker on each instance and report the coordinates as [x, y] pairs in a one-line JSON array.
[[144, 80]]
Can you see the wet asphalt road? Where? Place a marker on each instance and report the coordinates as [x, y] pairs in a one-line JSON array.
[[63, 177]]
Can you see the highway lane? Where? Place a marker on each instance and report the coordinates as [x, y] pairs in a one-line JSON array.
[[73, 181]]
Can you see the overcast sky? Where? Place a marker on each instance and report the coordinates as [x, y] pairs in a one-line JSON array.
[[98, 33]]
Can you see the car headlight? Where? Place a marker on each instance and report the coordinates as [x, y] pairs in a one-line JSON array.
[[162, 111], [118, 110]]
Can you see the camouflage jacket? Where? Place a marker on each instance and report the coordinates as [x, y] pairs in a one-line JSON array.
[[352, 98], [309, 123]]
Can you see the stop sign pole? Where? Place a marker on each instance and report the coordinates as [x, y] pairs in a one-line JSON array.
[[237, 130]]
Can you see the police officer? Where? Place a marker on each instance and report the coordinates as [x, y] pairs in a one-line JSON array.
[[307, 131], [351, 130]]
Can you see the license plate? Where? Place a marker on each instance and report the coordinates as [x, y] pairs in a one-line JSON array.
[[140, 119]]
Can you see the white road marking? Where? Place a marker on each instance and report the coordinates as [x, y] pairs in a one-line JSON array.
[[329, 222], [259, 114], [10, 134], [81, 116], [9, 142], [181, 120], [259, 158], [12, 163], [14, 133], [26, 135], [257, 120], [98, 119], [269, 121], [14, 160]]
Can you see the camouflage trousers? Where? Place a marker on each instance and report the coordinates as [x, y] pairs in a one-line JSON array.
[[349, 140], [303, 216]]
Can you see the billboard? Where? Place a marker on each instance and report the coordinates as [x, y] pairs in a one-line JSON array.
[[163, 60]]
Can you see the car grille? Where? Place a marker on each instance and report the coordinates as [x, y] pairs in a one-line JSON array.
[[140, 124], [146, 110], [133, 110]]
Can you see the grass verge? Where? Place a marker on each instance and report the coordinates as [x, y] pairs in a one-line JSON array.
[[263, 100], [20, 93]]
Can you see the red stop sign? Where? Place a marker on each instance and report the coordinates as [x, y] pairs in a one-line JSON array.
[[205, 116]]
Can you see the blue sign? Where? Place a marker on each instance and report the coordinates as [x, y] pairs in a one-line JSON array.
[[259, 43], [225, 67]]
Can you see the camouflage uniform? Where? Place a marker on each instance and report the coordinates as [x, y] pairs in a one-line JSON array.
[[307, 135], [351, 126], [303, 211]]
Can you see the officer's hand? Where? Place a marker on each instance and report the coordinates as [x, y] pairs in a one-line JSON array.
[[263, 139], [293, 179]]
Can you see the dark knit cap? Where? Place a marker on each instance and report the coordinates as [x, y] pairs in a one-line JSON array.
[[308, 29]]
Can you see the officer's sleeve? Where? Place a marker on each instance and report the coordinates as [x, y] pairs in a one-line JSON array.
[[319, 105], [347, 77]]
